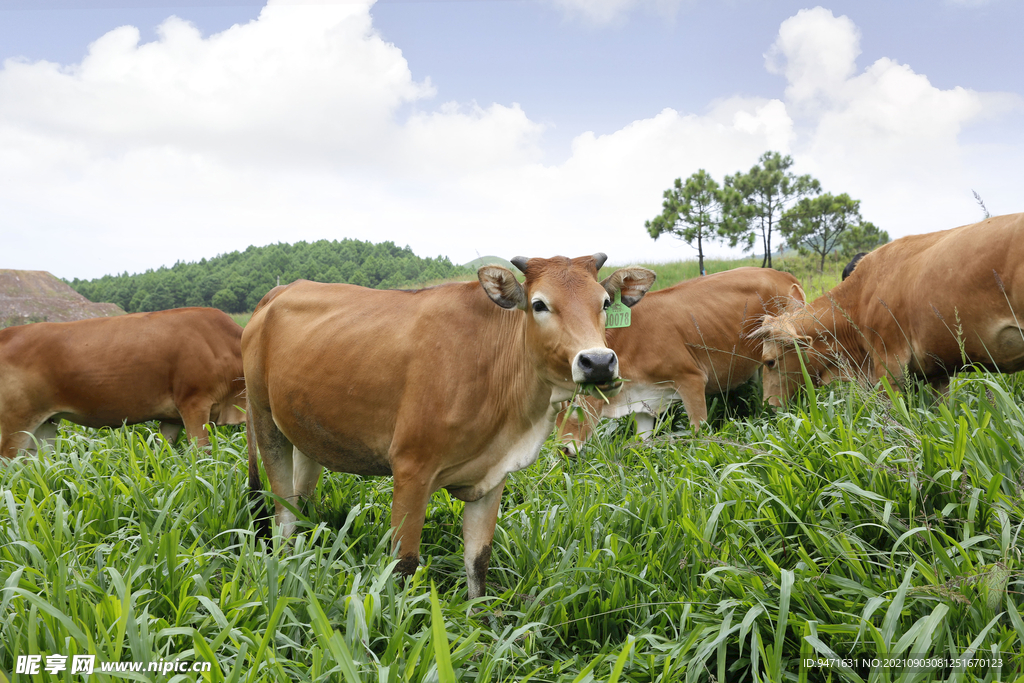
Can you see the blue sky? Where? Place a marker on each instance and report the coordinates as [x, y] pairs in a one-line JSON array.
[[465, 127]]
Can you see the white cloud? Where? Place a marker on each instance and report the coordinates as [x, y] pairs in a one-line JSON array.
[[463, 139], [306, 124], [301, 81], [885, 134], [599, 198], [143, 147], [816, 52]]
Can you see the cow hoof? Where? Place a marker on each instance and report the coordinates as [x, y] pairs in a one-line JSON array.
[[484, 614], [407, 566]]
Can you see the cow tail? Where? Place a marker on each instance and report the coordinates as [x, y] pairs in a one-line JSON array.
[[257, 501]]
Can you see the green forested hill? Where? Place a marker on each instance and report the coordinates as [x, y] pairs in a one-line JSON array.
[[236, 281]]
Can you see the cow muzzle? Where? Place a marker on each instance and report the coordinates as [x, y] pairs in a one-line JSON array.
[[597, 367]]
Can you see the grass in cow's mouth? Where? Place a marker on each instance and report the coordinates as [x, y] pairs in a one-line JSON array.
[[603, 391]]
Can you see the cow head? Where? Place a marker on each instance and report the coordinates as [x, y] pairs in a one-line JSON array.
[[232, 412], [786, 340], [565, 314]]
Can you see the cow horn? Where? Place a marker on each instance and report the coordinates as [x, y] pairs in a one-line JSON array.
[[520, 263], [762, 332], [599, 259]]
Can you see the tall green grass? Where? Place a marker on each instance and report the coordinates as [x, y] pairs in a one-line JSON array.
[[853, 524]]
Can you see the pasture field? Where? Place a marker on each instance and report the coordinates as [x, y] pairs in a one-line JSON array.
[[850, 526], [804, 268]]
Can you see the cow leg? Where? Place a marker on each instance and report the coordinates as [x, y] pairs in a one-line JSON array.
[[940, 385], [408, 512], [892, 368], [12, 442], [478, 521], [16, 433], [573, 428], [170, 431], [46, 433], [644, 425], [691, 388], [278, 456], [305, 475], [196, 415]]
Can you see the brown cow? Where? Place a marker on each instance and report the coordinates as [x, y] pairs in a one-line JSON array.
[[182, 366], [926, 305], [687, 342], [439, 387]]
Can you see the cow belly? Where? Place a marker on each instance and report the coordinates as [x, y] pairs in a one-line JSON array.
[[112, 415], [337, 452], [642, 398], [473, 479]]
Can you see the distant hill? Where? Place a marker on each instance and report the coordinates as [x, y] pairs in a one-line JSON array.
[[490, 261], [34, 296], [236, 282]]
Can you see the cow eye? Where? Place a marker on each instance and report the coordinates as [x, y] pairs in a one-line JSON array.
[[539, 306], [607, 303]]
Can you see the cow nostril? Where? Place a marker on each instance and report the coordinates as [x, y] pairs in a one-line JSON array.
[[597, 367]]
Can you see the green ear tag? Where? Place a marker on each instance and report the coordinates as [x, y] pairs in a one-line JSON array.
[[617, 314]]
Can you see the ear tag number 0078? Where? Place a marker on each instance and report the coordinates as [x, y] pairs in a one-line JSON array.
[[617, 314]]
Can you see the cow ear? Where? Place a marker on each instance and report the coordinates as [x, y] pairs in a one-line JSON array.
[[780, 330], [796, 292], [632, 281], [503, 288], [764, 331]]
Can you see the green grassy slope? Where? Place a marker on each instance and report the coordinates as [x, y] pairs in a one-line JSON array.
[[853, 524], [805, 269]]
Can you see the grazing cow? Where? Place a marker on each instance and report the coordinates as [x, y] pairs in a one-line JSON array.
[[686, 342], [926, 305], [448, 387], [182, 366], [848, 270]]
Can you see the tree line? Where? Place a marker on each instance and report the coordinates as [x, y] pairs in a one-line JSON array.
[[749, 208], [236, 282]]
